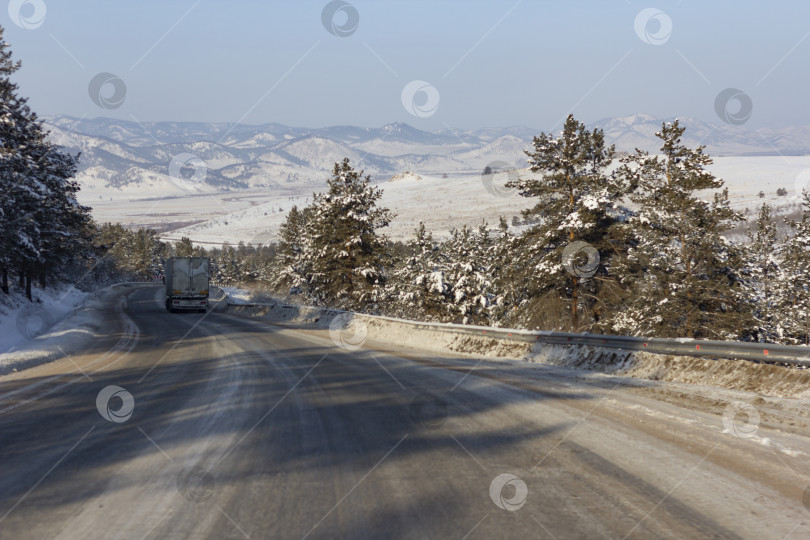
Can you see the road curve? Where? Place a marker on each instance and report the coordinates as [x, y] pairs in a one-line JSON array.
[[242, 429]]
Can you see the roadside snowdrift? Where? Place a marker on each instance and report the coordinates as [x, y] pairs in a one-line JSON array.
[[22, 321], [33, 334], [764, 379]]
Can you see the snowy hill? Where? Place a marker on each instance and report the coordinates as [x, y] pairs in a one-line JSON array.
[[129, 160], [225, 181], [407, 175], [120, 157]]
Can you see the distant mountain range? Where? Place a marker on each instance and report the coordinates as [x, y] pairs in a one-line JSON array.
[[638, 131], [159, 159]]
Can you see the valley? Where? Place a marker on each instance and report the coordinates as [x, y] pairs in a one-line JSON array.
[[218, 182]]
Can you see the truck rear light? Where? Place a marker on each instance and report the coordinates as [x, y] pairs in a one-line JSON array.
[[202, 303]]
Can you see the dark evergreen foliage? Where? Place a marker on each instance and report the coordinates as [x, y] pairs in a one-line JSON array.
[[43, 229]]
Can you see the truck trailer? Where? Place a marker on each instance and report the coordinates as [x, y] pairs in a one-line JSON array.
[[186, 284]]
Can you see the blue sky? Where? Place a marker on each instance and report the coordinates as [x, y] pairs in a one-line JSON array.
[[490, 63]]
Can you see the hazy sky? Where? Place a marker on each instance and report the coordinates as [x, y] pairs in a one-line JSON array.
[[482, 63]]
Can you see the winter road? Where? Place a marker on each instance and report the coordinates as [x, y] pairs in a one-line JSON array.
[[241, 429]]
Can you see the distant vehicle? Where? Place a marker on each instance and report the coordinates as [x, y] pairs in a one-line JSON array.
[[187, 284]]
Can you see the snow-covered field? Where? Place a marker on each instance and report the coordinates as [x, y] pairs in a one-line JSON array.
[[441, 203], [746, 176]]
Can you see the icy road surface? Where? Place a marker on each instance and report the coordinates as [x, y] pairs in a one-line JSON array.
[[221, 427]]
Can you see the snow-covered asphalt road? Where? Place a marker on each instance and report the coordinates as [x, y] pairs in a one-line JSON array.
[[243, 429]]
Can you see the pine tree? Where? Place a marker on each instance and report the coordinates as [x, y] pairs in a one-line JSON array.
[[266, 256], [345, 254], [123, 253], [762, 268], [468, 274], [184, 248], [419, 285], [577, 202], [227, 266], [290, 265], [792, 296], [65, 226], [450, 281], [149, 253], [501, 255], [684, 275], [20, 197], [250, 263], [42, 226]]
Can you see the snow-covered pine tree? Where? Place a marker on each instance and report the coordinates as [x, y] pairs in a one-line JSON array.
[[65, 226], [251, 263], [500, 255], [684, 275], [128, 254], [418, 285], [42, 226], [576, 201], [113, 243], [761, 271], [266, 257], [468, 270], [290, 265], [184, 247], [227, 265], [248, 271], [792, 287], [149, 253], [346, 256]]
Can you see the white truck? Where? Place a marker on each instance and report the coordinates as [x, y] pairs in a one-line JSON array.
[[186, 284]]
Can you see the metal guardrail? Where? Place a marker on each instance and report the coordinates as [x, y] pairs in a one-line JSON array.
[[754, 352]]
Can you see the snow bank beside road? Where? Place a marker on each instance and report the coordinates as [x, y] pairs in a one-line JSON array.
[[764, 379], [237, 295], [43, 332], [387, 330], [21, 320], [742, 375]]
